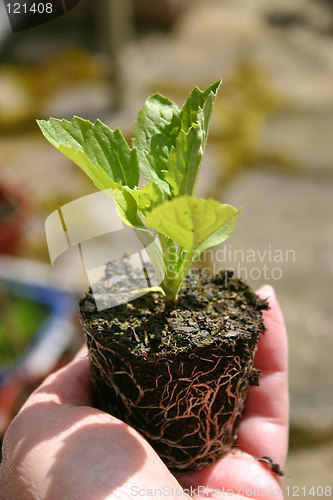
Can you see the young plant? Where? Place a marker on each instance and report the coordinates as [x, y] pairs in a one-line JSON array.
[[168, 147], [177, 373]]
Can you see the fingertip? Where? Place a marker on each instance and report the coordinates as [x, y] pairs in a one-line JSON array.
[[266, 291]]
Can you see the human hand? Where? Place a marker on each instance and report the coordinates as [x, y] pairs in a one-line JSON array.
[[59, 446]]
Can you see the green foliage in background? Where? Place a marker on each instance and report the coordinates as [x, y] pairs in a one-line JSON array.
[[20, 320]]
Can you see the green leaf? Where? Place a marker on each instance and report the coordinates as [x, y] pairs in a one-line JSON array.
[[104, 155], [186, 156], [198, 107], [126, 206], [194, 223], [184, 161], [156, 129], [223, 232], [127, 209], [148, 197]]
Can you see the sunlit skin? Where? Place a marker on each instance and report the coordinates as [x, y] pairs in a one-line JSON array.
[[60, 446]]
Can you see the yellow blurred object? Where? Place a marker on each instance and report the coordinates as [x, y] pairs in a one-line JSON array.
[[23, 89], [64, 69], [17, 103], [248, 101]]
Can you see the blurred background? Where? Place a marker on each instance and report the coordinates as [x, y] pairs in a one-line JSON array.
[[269, 151]]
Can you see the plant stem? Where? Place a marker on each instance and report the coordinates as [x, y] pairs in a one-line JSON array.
[[172, 282]]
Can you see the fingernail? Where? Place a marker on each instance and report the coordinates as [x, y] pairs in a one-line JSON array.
[[267, 290]]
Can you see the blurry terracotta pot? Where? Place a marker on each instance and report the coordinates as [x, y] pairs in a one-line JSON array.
[[14, 213]]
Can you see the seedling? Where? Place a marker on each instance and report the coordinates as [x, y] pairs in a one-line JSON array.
[[168, 147], [176, 370]]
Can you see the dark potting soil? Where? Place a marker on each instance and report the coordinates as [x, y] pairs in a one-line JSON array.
[[179, 372]]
